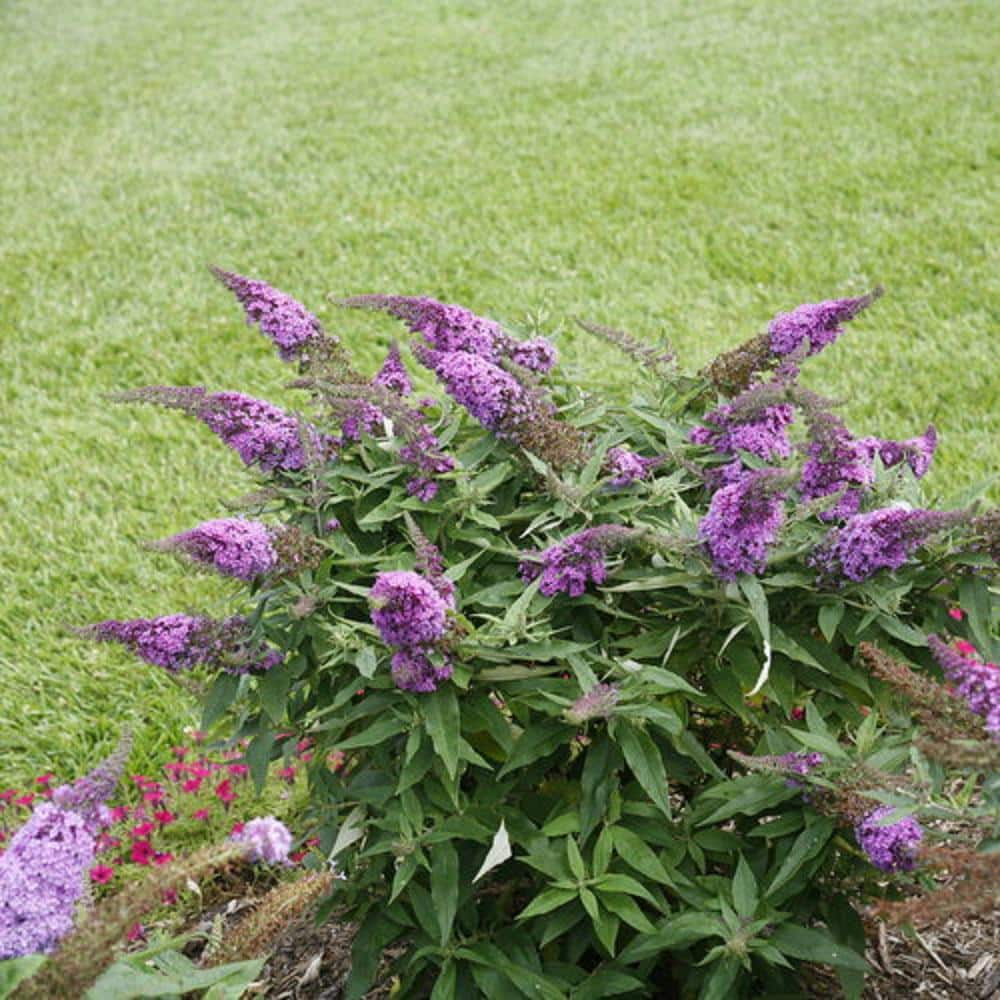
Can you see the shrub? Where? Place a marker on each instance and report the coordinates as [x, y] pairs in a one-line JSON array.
[[592, 666]]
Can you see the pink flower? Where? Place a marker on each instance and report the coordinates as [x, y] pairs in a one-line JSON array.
[[191, 785], [101, 874], [142, 852], [135, 933], [119, 813], [25, 800], [224, 792], [154, 796], [965, 648], [44, 779], [105, 842], [179, 752], [164, 817], [169, 896], [7, 795], [162, 858], [238, 770], [237, 828], [957, 613], [798, 712], [142, 830], [201, 814], [287, 773]]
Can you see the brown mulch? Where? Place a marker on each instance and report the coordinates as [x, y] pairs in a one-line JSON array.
[[960, 959]]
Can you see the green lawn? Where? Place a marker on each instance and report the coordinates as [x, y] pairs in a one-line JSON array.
[[686, 168]]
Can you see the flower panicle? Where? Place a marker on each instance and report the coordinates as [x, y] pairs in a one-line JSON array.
[[87, 794], [977, 683], [598, 703], [568, 566], [810, 327], [659, 362]]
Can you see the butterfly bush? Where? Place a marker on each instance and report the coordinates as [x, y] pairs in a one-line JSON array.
[[598, 668]]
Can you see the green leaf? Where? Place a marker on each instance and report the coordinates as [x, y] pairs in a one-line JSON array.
[[812, 945], [15, 970], [443, 722], [366, 661], [830, 616], [601, 856], [645, 762], [606, 925], [375, 932], [272, 687], [626, 908], [575, 858], [258, 758], [624, 883], [596, 782], [444, 985], [537, 742], [404, 872], [719, 985], [745, 894], [378, 732], [749, 795], [974, 596], [607, 983], [444, 887], [677, 932], [806, 846], [546, 901], [221, 695], [634, 851]]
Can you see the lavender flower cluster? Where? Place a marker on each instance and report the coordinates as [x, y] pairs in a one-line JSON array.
[[412, 614], [288, 324], [764, 434], [568, 566], [891, 847], [811, 327], [43, 871], [179, 642], [743, 520], [233, 546], [266, 839], [976, 682], [879, 539], [627, 467]]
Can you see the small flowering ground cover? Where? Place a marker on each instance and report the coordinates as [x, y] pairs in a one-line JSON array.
[[632, 699]]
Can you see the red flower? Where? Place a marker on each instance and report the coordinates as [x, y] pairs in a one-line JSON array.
[[224, 791], [956, 613], [143, 830], [154, 796], [135, 932], [191, 785], [164, 816], [162, 858], [101, 874], [142, 852], [25, 800], [44, 779]]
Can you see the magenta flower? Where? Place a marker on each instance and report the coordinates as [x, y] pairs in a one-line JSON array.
[[232, 545], [743, 520], [813, 326], [568, 566], [288, 324], [266, 839], [890, 846]]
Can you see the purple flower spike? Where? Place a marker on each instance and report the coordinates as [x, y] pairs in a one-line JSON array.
[[890, 846], [174, 642], [743, 519], [445, 328], [280, 317], [880, 539], [261, 434], [42, 876], [267, 839], [627, 467], [976, 682], [490, 395], [813, 326], [233, 546], [568, 566], [764, 435], [537, 355], [407, 609], [918, 452], [87, 795], [839, 462], [413, 670], [392, 375]]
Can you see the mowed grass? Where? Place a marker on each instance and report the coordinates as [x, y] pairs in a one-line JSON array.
[[677, 168]]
